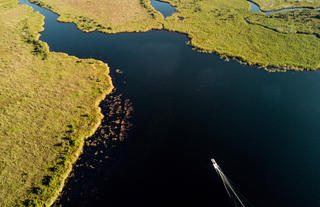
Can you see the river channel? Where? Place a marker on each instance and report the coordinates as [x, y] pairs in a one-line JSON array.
[[255, 8], [262, 128]]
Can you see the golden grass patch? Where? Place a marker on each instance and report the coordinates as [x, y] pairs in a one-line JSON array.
[[110, 16]]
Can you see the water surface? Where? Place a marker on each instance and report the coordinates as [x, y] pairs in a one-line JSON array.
[[262, 128], [255, 8], [163, 7]]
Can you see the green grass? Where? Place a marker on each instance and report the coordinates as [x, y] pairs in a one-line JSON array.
[[299, 21], [214, 26], [48, 105], [267, 5], [219, 26], [49, 101], [106, 15]]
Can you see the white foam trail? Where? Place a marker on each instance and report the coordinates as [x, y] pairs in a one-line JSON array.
[[230, 190]]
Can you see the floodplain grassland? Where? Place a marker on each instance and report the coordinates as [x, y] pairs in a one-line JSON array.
[[300, 21], [109, 16], [271, 5], [48, 105], [220, 26]]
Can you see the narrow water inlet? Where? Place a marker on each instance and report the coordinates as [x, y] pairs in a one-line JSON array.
[[255, 8]]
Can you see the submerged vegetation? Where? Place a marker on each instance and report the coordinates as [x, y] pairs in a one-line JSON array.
[[49, 104]]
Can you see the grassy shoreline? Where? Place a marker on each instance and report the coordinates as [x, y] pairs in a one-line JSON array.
[[219, 27], [79, 149], [49, 104], [151, 20], [73, 158], [240, 60]]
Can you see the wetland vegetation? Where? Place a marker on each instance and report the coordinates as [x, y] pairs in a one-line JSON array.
[[220, 26], [48, 103], [269, 5], [227, 28], [300, 21], [106, 16]]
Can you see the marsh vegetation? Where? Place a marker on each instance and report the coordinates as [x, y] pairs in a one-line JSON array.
[[269, 5], [220, 26], [279, 41], [301, 21], [48, 103], [105, 15]]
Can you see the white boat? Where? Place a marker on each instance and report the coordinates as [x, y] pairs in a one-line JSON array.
[[213, 161], [215, 165]]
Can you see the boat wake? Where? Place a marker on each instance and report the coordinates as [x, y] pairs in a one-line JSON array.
[[237, 198]]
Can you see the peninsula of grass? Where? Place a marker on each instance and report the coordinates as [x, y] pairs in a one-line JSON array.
[[221, 27], [48, 105], [106, 15], [267, 5]]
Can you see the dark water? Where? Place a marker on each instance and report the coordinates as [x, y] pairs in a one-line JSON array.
[[262, 128], [255, 8], [163, 7]]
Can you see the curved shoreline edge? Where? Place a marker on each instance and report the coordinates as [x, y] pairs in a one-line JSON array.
[[163, 25], [77, 154], [81, 128], [278, 65]]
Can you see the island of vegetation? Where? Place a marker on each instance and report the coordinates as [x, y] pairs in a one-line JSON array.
[[228, 28], [48, 103]]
